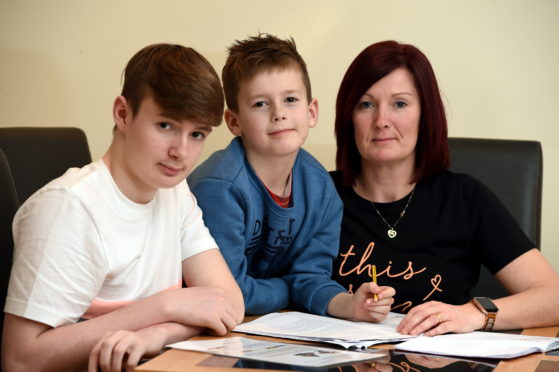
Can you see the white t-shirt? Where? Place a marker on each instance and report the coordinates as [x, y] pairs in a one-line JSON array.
[[83, 249]]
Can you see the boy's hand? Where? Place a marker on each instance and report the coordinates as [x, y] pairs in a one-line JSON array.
[[205, 307], [366, 308], [122, 350], [361, 305]]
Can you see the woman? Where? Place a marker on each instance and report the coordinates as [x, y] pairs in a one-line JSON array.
[[426, 229]]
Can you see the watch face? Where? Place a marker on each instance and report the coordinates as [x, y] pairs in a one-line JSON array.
[[487, 304]]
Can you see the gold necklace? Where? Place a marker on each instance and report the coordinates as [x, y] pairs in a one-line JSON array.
[[391, 231]]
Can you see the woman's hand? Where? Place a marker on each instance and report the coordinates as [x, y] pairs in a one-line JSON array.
[[366, 307], [435, 318]]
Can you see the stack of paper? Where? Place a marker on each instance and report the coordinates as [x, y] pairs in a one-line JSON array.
[[277, 352], [308, 327], [481, 345]]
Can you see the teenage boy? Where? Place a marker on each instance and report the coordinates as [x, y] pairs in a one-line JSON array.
[[112, 241], [271, 207]]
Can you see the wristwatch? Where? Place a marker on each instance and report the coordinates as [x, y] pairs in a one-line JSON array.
[[486, 306]]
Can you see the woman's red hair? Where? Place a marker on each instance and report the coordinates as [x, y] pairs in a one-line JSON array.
[[372, 64]]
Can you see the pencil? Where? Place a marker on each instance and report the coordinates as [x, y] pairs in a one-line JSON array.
[[373, 273]]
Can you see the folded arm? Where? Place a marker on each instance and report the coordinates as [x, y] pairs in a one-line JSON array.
[[34, 346], [213, 302], [209, 269]]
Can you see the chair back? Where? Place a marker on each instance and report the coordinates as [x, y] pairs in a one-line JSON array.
[[513, 170], [38, 155], [8, 207]]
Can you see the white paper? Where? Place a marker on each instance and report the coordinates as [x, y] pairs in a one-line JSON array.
[[276, 352], [309, 327], [480, 345]]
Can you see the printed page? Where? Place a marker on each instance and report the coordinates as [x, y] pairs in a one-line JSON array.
[[297, 325], [276, 352], [480, 345]]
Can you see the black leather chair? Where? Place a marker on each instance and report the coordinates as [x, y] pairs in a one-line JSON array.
[[39, 154], [513, 170], [8, 207]]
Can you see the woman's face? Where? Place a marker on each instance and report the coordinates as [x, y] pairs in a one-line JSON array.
[[386, 121]]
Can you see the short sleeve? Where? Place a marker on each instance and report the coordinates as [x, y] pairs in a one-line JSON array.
[[195, 236], [59, 262], [498, 237]]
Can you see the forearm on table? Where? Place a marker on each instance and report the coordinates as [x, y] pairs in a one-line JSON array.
[[535, 307], [265, 295], [535, 297], [36, 346], [171, 332]]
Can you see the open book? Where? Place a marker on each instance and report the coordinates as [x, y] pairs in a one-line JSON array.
[[308, 327], [480, 345]]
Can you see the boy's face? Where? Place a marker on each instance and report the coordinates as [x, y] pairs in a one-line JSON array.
[[274, 115], [158, 151]]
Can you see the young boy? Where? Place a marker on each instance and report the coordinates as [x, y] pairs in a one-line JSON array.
[[112, 241], [271, 207]]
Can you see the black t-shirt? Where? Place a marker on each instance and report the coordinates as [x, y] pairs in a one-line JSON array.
[[452, 225]]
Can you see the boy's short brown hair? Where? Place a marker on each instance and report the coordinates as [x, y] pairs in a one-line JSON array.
[[250, 57], [180, 80]]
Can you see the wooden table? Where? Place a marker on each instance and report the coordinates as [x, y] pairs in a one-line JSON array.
[[180, 360]]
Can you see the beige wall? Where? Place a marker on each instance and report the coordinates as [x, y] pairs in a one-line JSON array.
[[496, 61]]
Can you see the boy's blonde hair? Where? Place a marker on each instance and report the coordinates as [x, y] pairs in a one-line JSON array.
[[250, 57]]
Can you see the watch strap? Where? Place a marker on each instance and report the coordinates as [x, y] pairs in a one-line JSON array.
[[489, 316], [489, 321]]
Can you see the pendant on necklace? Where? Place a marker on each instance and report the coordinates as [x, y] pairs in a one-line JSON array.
[[392, 233]]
